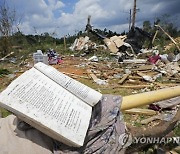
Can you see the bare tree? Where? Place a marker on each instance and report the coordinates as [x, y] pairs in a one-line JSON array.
[[7, 20]]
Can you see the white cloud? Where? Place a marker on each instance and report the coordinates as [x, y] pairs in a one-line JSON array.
[[38, 14], [55, 4], [101, 11], [48, 15], [25, 27]]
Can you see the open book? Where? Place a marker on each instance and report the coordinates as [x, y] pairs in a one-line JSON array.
[[52, 102]]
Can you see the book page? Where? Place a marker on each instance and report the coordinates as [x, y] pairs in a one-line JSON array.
[[82, 91], [48, 107]]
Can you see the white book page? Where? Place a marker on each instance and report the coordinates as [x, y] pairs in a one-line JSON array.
[[48, 107], [82, 91]]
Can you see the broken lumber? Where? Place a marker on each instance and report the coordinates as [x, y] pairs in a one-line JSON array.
[[6, 56], [117, 40], [136, 82], [141, 74], [141, 111], [133, 86], [134, 77], [95, 79], [92, 75], [75, 75], [160, 130], [145, 77], [144, 68], [148, 120], [169, 36], [125, 76], [136, 61], [133, 101], [111, 45], [154, 36]]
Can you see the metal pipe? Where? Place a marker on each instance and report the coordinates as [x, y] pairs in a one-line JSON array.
[[146, 98]]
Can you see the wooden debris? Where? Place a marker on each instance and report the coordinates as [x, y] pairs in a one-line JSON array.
[[157, 117], [144, 68], [81, 43], [145, 77], [169, 37], [176, 149], [118, 40], [111, 45], [154, 36], [161, 130], [137, 61], [173, 152], [141, 111], [141, 74], [132, 81], [105, 75], [148, 120], [125, 76], [165, 85], [6, 56], [133, 86], [134, 77], [74, 75], [92, 75]]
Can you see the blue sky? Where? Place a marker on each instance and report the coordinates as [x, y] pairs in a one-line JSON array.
[[62, 17], [69, 5]]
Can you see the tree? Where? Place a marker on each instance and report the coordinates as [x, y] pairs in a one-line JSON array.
[[7, 20], [168, 25], [147, 26]]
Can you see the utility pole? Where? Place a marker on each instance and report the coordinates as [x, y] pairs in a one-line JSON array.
[[134, 14], [89, 19], [64, 42], [88, 26], [130, 19]]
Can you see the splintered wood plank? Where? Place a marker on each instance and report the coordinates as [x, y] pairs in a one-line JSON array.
[[145, 67], [92, 75], [125, 76], [141, 111]]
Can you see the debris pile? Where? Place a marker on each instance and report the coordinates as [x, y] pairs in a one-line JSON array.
[[128, 65], [85, 44]]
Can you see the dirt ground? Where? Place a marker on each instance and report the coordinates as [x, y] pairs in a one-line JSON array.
[[76, 67]]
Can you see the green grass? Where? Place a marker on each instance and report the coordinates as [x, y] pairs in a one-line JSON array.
[[4, 113], [4, 72], [107, 89], [177, 130]]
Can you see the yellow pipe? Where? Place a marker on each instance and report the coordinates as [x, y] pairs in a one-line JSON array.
[[146, 98]]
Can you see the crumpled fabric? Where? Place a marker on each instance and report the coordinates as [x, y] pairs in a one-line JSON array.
[[102, 137], [169, 103], [15, 141], [154, 59]]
